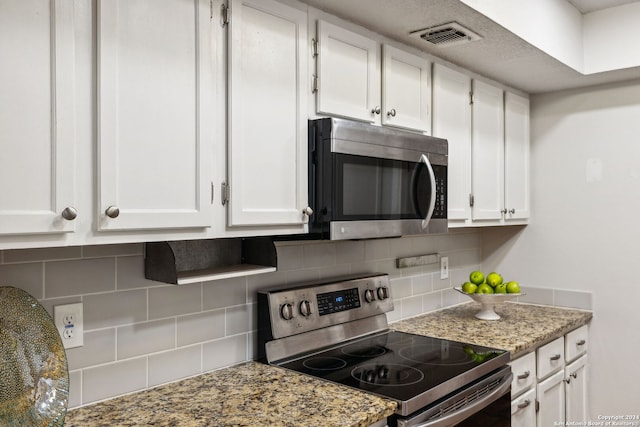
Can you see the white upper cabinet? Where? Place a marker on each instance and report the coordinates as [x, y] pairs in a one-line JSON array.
[[487, 152], [267, 114], [516, 154], [154, 114], [37, 118], [348, 74], [452, 120], [352, 82], [406, 91]]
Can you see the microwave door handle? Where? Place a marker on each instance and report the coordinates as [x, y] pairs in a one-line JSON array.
[[432, 200]]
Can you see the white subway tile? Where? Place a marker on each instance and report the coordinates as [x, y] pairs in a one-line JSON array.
[[113, 379], [401, 287], [451, 297], [224, 352], [197, 328], [41, 254], [98, 347], [114, 309], [224, 293], [130, 274], [377, 249], [319, 255], [238, 319], [174, 364], [411, 306], [85, 276], [422, 284], [28, 277], [349, 251], [75, 389], [144, 338], [432, 301], [175, 300]]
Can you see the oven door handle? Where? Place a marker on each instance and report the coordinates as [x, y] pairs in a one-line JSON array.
[[432, 200], [462, 414]]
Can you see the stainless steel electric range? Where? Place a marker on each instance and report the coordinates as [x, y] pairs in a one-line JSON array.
[[337, 330]]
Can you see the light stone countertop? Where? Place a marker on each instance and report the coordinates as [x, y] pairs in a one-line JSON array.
[[521, 328], [250, 394]]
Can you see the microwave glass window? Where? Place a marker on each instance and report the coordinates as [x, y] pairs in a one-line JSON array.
[[380, 188]]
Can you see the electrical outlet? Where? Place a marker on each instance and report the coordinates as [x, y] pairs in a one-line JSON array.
[[68, 320], [444, 267]]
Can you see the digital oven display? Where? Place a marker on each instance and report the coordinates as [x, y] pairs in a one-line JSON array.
[[333, 302]]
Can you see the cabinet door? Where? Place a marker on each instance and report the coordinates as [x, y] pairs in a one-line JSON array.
[[550, 394], [488, 152], [576, 376], [523, 410], [452, 120], [37, 117], [154, 114], [406, 94], [267, 116], [516, 157], [348, 74]]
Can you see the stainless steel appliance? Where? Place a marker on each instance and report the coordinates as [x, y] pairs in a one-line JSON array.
[[337, 330], [368, 181]]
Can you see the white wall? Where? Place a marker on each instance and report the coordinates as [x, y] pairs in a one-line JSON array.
[[585, 154]]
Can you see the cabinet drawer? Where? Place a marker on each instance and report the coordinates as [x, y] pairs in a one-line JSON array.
[[524, 373], [576, 343], [550, 357], [523, 410]]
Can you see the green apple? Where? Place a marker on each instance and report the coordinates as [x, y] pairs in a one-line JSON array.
[[501, 288], [494, 279], [476, 277], [469, 287], [484, 289], [513, 288]]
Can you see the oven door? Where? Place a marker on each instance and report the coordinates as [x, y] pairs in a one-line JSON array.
[[383, 191], [486, 402]]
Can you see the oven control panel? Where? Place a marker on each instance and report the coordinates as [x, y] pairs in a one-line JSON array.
[[318, 305]]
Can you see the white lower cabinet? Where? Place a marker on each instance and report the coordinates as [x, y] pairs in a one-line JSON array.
[[523, 410], [550, 385], [576, 386], [551, 402]]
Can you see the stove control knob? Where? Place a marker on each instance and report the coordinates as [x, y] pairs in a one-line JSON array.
[[383, 292], [286, 311], [369, 295], [305, 308]]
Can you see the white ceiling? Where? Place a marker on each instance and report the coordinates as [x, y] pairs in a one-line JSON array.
[[586, 6], [500, 55]]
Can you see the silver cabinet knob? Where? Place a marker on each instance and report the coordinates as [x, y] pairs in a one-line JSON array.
[[69, 213], [391, 113], [307, 211], [375, 110], [503, 211], [512, 211], [112, 212]]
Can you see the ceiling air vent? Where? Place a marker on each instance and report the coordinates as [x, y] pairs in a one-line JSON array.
[[446, 35]]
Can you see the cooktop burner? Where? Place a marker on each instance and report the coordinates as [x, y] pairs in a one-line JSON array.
[[398, 365]]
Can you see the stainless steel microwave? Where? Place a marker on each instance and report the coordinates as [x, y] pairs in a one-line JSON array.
[[367, 181]]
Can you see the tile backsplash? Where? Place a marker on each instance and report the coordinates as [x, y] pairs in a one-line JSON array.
[[140, 333]]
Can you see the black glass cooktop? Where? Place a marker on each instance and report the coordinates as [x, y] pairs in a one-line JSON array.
[[412, 369]]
